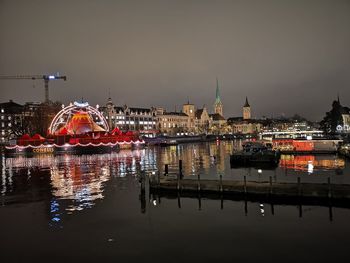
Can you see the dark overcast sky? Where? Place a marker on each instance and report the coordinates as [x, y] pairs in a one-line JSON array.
[[286, 56]]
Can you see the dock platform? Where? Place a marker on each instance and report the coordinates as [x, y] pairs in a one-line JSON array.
[[312, 191]]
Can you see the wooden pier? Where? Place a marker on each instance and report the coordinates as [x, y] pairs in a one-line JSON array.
[[289, 191], [318, 192]]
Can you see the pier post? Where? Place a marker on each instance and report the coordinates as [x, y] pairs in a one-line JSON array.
[[245, 184], [299, 187], [272, 209], [180, 169], [178, 182], [222, 202], [199, 183], [221, 189], [329, 187], [142, 179], [330, 212], [158, 179], [199, 202], [142, 196], [166, 170], [270, 185]]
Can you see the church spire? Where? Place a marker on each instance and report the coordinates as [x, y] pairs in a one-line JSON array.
[[217, 97], [218, 103], [246, 102]]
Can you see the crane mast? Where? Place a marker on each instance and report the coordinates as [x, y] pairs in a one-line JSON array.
[[46, 79]]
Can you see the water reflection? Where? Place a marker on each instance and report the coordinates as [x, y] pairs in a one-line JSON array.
[[72, 183], [312, 163], [68, 183]]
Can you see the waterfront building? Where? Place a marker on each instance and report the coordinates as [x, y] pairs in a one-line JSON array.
[[245, 124], [173, 123], [203, 121], [11, 117], [125, 118], [31, 118], [218, 124], [241, 126], [337, 120], [38, 116], [189, 109]]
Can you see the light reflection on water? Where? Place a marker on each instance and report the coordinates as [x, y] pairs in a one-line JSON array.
[[80, 181], [95, 201]]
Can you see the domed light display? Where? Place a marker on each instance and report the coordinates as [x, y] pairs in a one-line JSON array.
[[78, 118], [77, 128]]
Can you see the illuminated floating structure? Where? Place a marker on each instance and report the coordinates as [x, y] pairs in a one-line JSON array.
[[302, 146], [78, 128]]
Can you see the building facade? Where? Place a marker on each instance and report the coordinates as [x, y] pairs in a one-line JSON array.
[[173, 123], [203, 121], [125, 118], [11, 118], [245, 124]]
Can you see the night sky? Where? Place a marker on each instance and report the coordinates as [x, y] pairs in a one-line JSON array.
[[286, 56]]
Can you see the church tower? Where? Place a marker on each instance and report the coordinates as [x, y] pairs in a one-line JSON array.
[[189, 109], [246, 110], [218, 104]]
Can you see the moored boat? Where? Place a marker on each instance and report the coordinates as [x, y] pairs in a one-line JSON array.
[[255, 153]]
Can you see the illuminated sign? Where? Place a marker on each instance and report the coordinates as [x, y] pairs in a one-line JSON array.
[[81, 104]]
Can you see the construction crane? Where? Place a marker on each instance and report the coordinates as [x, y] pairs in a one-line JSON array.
[[46, 79]]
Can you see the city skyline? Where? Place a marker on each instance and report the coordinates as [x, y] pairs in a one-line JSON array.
[[284, 56]]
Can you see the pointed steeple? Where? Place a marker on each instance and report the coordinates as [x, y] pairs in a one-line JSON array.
[[218, 103], [217, 97], [246, 102]]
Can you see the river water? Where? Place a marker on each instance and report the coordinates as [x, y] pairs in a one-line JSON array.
[[89, 208]]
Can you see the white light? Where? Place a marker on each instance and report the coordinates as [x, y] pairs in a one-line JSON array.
[[309, 137], [81, 104], [51, 77], [310, 167], [259, 171]]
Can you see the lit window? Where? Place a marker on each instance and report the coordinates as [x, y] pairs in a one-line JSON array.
[[9, 117], [2, 117], [2, 110], [10, 124]]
